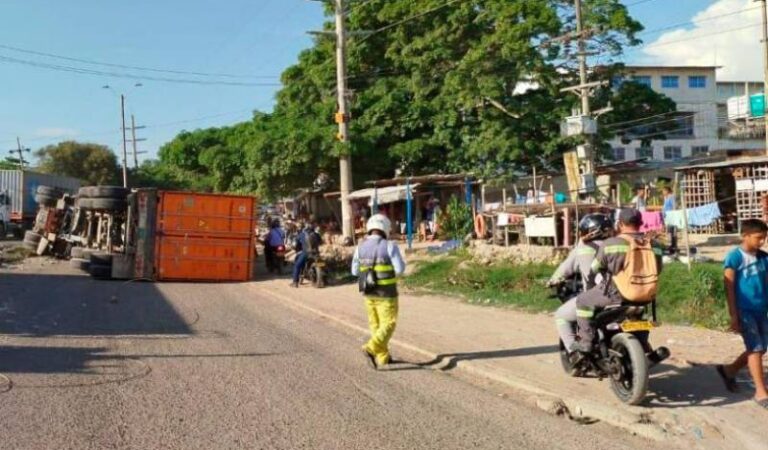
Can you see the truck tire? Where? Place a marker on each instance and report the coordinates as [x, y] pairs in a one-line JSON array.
[[101, 259], [103, 204], [45, 200], [31, 240], [100, 272], [49, 191], [116, 192], [80, 263], [77, 253]]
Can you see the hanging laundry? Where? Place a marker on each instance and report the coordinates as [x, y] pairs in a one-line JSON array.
[[702, 216], [503, 219], [652, 221], [674, 218]]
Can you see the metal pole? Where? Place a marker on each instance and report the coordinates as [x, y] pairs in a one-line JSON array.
[[685, 218], [125, 150], [345, 161], [133, 137], [765, 67], [409, 214], [584, 94], [21, 153]]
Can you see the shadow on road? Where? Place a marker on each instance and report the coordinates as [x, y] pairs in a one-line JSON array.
[[671, 387], [454, 358], [46, 305], [29, 359]]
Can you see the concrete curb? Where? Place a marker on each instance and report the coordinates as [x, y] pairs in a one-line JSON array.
[[577, 408]]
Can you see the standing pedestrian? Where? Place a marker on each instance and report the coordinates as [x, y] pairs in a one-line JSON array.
[[638, 201], [746, 287], [670, 205], [377, 263]]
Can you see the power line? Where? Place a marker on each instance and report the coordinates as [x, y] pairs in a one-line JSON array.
[[84, 71], [694, 22], [141, 68], [408, 19]]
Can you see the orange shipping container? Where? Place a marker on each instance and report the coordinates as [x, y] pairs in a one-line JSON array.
[[203, 259], [186, 213]]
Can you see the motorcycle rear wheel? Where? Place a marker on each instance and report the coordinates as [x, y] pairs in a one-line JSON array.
[[630, 384]]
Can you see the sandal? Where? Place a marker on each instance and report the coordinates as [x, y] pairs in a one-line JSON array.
[[763, 403], [729, 382]]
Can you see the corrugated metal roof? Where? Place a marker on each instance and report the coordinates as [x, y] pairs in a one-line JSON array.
[[727, 163]]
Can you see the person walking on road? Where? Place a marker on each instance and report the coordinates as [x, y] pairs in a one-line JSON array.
[[746, 286], [670, 205], [377, 263]]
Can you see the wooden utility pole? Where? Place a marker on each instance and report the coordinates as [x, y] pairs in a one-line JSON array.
[[125, 149], [342, 118], [21, 151], [764, 14], [589, 163]]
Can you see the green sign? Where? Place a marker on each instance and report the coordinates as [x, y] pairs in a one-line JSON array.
[[757, 105]]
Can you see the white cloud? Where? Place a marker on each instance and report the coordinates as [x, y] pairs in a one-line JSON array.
[[56, 132], [706, 41]]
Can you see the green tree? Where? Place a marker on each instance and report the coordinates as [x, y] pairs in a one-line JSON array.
[[92, 163]]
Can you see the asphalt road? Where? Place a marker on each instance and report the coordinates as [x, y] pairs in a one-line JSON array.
[[101, 365]]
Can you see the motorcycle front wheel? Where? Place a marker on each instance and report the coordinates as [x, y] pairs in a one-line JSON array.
[[630, 381]]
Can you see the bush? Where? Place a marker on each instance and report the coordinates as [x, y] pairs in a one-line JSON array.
[[690, 298], [456, 221]]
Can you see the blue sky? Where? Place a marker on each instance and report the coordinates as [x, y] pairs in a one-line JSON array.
[[253, 37]]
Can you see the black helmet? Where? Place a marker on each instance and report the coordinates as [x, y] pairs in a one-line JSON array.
[[275, 223], [594, 226]]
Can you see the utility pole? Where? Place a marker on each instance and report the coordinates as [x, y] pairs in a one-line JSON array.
[[125, 150], [342, 118], [585, 107], [134, 141], [764, 15], [21, 151]]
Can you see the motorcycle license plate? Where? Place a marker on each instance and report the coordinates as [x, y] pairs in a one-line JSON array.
[[636, 325], [319, 264]]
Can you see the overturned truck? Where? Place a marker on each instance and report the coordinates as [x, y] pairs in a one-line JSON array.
[[148, 234]]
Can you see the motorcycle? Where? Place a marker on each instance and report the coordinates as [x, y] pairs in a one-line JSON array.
[[621, 350], [315, 271], [276, 259]]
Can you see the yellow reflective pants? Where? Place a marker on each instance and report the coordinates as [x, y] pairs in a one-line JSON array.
[[382, 319]]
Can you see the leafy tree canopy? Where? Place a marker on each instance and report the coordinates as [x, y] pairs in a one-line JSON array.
[[92, 163]]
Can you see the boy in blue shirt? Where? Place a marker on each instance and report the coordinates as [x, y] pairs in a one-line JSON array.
[[746, 286]]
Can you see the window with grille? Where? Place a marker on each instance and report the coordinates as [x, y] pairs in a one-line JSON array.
[[697, 82], [619, 154], [670, 81], [698, 150], [644, 152]]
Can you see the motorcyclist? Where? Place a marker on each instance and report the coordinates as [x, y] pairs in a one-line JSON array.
[[593, 229], [609, 261], [307, 246], [274, 239]]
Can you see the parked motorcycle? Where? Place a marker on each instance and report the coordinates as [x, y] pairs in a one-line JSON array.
[[315, 271], [621, 350]]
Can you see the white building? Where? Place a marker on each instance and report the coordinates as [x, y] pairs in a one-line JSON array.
[[700, 123]]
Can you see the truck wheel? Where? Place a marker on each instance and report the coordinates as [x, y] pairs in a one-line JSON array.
[[49, 191], [77, 253], [100, 272], [80, 263], [101, 259], [45, 200], [116, 192], [107, 204], [31, 239]]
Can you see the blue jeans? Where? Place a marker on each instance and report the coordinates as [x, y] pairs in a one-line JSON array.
[[754, 330], [298, 266]]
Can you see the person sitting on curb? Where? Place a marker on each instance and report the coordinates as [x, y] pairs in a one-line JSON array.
[[377, 263], [610, 262], [746, 286]]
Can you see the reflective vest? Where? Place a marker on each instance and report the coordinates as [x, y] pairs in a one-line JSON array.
[[386, 279]]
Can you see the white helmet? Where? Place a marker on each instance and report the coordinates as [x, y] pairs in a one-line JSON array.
[[379, 222]]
